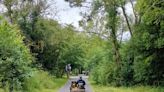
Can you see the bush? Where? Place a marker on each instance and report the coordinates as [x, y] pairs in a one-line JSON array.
[[39, 81], [15, 57], [102, 71], [127, 70]]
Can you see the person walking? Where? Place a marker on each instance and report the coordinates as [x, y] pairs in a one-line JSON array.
[[68, 69]]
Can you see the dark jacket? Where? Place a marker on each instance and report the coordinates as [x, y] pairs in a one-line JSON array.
[[81, 81]]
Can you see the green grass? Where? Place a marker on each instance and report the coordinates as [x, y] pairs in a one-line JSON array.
[[58, 84], [98, 88], [43, 82], [1, 90]]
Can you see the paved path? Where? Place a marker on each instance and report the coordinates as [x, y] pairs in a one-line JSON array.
[[66, 87]]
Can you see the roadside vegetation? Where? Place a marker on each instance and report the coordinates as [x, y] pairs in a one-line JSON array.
[[98, 88], [34, 49], [136, 60], [41, 82]]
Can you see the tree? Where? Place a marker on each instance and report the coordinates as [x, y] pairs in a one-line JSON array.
[[134, 12], [111, 9], [149, 43], [61, 46], [75, 2], [15, 57], [122, 5], [26, 13]]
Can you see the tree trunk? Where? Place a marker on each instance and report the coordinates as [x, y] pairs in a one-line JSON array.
[[115, 46], [11, 87], [135, 15], [122, 30], [10, 14], [127, 21]]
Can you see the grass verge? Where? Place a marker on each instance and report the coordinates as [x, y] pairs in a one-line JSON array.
[[43, 82], [99, 88], [58, 83]]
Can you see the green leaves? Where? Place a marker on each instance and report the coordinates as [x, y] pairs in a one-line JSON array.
[[141, 56], [148, 43], [15, 57], [75, 3]]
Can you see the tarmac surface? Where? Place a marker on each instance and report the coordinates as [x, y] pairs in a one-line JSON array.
[[66, 87]]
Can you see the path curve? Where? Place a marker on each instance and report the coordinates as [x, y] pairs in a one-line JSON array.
[[66, 87]]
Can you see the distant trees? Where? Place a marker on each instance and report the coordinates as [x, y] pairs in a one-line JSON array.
[[61, 46]]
